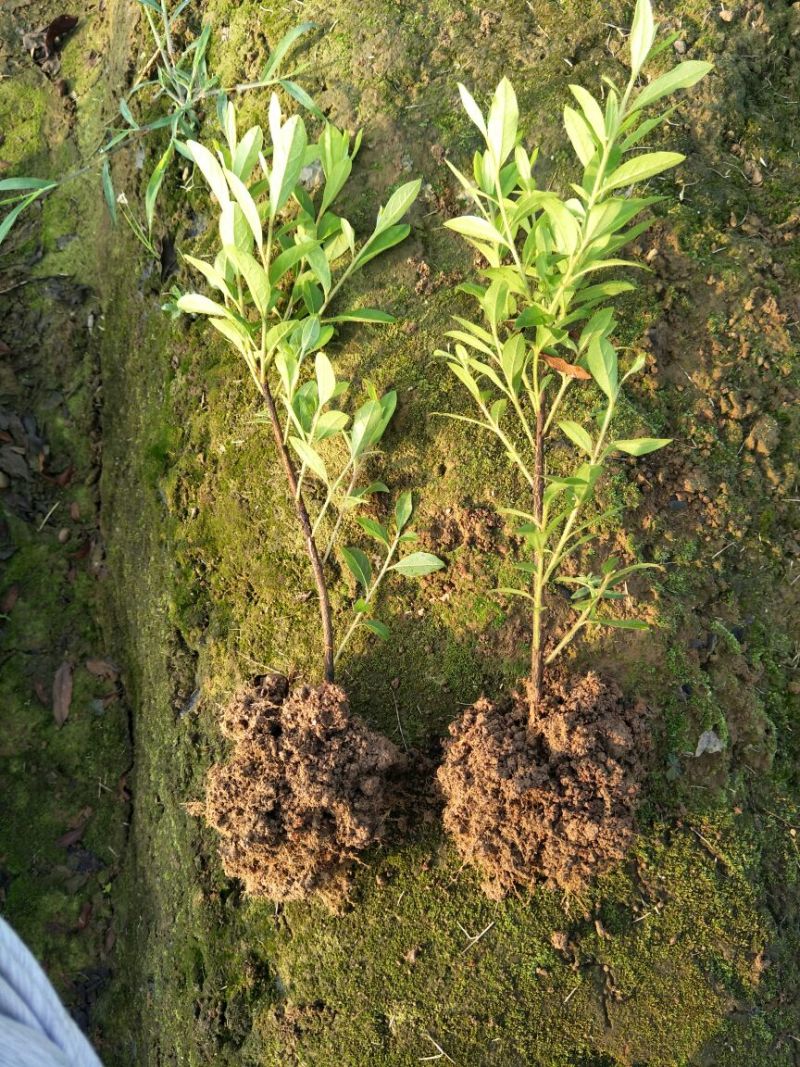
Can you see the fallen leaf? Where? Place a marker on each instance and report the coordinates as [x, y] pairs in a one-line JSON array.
[[57, 31], [62, 693], [71, 837], [709, 742], [85, 915], [570, 369], [40, 689], [83, 551], [9, 599], [75, 511], [101, 668], [62, 479]]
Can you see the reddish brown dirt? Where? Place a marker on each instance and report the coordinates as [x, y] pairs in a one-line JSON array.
[[303, 792], [553, 805]]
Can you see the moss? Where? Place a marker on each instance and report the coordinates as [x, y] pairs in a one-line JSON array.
[[208, 585]]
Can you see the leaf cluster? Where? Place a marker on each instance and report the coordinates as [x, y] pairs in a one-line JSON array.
[[547, 324], [283, 256]]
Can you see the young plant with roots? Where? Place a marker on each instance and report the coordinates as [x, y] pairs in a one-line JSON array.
[[548, 325], [285, 256]]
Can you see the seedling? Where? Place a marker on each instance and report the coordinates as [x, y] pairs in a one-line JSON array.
[[547, 322], [183, 83], [283, 260]]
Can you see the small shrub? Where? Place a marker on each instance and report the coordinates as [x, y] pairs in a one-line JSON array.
[[546, 331]]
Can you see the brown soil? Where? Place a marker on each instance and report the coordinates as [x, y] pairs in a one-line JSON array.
[[303, 792], [555, 805]]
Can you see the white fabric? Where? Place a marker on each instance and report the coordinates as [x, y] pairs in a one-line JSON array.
[[35, 1029]]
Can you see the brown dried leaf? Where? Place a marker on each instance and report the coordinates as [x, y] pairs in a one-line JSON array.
[[101, 668], [9, 599], [71, 837], [85, 915], [57, 31], [570, 369], [62, 693]]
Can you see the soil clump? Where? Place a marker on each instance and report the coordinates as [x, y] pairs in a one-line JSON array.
[[554, 803], [305, 789]]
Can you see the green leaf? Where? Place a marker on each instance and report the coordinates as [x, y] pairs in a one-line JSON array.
[[579, 134], [154, 185], [289, 147], [379, 628], [565, 226], [464, 375], [642, 36], [577, 434], [382, 242], [247, 205], [254, 275], [283, 263], [397, 205], [640, 446], [24, 184], [641, 167], [403, 510], [301, 96], [477, 229], [417, 564], [591, 110], [14, 213], [363, 315], [472, 108], [197, 304], [309, 458], [329, 424], [283, 46], [326, 378], [374, 529], [684, 76], [108, 190], [210, 273], [358, 565], [501, 132], [508, 590], [620, 624], [246, 155], [211, 171], [601, 359], [234, 332]]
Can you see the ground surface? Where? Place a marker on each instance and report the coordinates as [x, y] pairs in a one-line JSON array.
[[683, 954]]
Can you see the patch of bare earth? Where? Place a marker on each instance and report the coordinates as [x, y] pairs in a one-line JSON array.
[[304, 791], [552, 801]]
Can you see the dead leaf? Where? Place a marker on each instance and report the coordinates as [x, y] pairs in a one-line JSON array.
[[10, 597], [570, 369], [83, 551], [62, 693], [85, 915], [709, 742], [62, 479], [71, 837], [101, 668], [57, 31], [40, 689]]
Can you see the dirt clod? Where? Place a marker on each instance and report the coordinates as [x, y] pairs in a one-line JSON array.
[[554, 804], [303, 792]]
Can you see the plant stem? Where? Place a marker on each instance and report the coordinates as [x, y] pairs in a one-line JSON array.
[[305, 523], [537, 651]]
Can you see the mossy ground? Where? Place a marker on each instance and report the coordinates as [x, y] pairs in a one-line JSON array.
[[687, 953]]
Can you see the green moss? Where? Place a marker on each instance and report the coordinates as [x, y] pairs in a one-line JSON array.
[[208, 586]]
